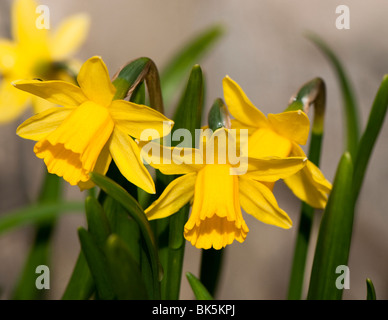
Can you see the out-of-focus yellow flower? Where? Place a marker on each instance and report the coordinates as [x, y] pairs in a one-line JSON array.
[[90, 129], [278, 135], [35, 53], [218, 189]]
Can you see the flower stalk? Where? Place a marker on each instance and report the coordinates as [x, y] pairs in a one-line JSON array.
[[311, 94]]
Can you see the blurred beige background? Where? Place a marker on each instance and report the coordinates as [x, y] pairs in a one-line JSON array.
[[265, 51]]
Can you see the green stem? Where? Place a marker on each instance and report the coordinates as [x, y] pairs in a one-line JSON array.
[[176, 245], [188, 115], [211, 263], [312, 93]]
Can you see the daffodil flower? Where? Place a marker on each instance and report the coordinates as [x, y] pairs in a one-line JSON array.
[[217, 191], [34, 53], [278, 135], [91, 128]]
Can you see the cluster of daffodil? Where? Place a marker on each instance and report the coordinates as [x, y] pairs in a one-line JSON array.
[[90, 129], [87, 124]]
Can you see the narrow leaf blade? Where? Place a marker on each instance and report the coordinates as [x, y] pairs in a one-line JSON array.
[[175, 71], [334, 238], [198, 288], [124, 271]]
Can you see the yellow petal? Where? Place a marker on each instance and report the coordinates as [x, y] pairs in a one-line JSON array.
[[240, 106], [13, 102], [7, 55], [56, 91], [71, 151], [239, 125], [267, 143], [101, 167], [257, 200], [216, 219], [293, 125], [94, 81], [273, 169], [309, 184], [126, 155], [69, 36], [135, 119], [179, 192], [24, 26], [171, 160], [42, 124], [40, 104]]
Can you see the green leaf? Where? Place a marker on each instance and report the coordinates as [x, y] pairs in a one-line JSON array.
[[97, 264], [37, 213], [188, 115], [136, 212], [334, 238], [123, 226], [369, 137], [81, 284], [198, 288], [371, 293], [349, 101], [180, 64], [127, 280], [98, 224]]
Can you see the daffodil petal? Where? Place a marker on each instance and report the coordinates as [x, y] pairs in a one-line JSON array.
[[171, 160], [266, 142], [69, 36], [240, 106], [56, 91], [293, 125], [257, 200], [238, 125], [310, 186], [273, 169], [13, 102], [102, 166], [179, 192], [126, 154], [24, 24], [135, 119], [94, 81], [40, 125], [39, 104], [7, 55]]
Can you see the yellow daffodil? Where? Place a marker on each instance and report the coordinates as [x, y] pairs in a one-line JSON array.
[[218, 189], [34, 53], [278, 135], [91, 128]]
